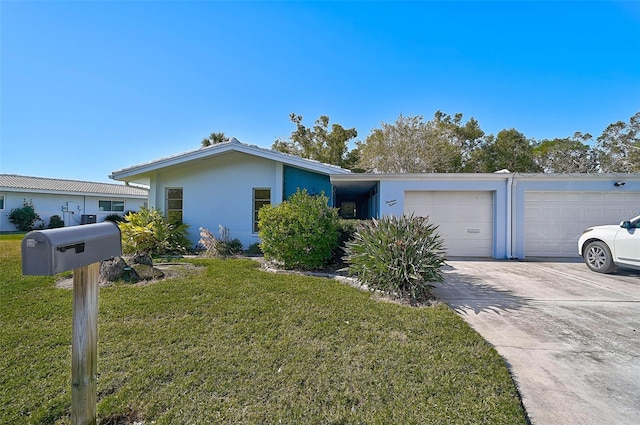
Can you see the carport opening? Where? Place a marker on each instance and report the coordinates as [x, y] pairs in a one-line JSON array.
[[357, 200]]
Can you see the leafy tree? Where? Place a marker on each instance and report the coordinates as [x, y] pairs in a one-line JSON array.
[[319, 143], [618, 146], [412, 145], [465, 137], [24, 217], [568, 155], [301, 232], [509, 150], [213, 139]]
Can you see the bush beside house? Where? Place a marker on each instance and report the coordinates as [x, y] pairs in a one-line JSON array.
[[299, 233], [147, 231], [24, 218], [55, 222]]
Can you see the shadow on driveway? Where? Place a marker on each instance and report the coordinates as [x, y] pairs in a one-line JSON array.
[[464, 293], [569, 335]]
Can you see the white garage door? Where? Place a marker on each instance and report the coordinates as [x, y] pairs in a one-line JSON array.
[[465, 219], [553, 221]]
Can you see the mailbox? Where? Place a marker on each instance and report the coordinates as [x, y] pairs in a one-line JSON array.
[[52, 251]]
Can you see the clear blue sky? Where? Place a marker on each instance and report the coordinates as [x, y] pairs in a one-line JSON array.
[[92, 87]]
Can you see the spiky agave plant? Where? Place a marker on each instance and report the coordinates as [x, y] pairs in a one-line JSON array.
[[398, 255]]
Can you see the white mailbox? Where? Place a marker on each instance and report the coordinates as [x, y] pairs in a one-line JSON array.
[[52, 251]]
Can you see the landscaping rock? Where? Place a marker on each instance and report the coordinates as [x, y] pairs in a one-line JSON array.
[[117, 269], [142, 258], [147, 272]]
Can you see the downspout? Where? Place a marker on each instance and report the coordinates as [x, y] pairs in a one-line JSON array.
[[510, 184]]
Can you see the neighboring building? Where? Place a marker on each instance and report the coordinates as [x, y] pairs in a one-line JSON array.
[[499, 215], [74, 201]]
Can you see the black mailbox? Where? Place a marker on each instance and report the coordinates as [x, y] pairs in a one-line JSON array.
[[52, 251]]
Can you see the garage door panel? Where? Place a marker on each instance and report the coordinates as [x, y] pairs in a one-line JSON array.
[[553, 221], [571, 213], [532, 212], [619, 197], [464, 219], [551, 212]]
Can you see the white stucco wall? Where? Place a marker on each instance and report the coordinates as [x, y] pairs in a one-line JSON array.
[[47, 205], [219, 191]]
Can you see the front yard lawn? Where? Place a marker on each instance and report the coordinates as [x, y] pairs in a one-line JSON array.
[[238, 345]]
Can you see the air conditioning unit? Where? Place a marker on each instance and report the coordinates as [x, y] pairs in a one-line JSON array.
[[87, 219]]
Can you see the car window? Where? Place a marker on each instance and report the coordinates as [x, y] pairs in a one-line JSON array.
[[635, 222]]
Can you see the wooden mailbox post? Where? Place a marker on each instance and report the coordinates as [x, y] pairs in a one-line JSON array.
[[78, 248]]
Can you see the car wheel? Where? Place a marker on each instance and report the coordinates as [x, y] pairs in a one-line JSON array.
[[598, 257]]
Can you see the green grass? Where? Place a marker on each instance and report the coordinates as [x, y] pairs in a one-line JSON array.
[[238, 345]]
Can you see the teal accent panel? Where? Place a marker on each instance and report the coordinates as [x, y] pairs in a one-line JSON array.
[[315, 183]]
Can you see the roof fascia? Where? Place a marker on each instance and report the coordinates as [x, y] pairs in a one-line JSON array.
[[420, 176], [202, 153], [576, 176]]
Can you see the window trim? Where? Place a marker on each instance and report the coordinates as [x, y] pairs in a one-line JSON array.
[[166, 201], [111, 201], [254, 211]]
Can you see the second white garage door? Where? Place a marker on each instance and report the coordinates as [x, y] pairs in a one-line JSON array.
[[465, 219], [553, 221]]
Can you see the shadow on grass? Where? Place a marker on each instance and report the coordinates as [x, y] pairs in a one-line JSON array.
[[465, 294]]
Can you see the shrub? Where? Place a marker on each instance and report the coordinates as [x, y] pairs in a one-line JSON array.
[[346, 231], [301, 232], [24, 218], [116, 218], [147, 231], [398, 255], [219, 247], [55, 221], [254, 249]]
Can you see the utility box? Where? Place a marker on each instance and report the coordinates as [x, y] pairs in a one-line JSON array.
[[88, 218], [52, 251]]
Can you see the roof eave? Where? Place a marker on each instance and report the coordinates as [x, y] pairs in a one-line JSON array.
[[74, 193], [419, 176], [135, 172]]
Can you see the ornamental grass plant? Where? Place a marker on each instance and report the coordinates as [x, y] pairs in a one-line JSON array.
[[398, 255]]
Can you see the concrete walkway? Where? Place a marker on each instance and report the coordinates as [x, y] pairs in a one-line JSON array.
[[570, 336]]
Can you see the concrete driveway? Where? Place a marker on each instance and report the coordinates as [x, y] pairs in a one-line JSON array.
[[570, 336]]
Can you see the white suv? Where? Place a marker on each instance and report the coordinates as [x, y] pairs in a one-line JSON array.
[[606, 247]]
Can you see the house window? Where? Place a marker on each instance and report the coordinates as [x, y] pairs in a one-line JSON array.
[[174, 205], [1, 202], [261, 197], [111, 206]]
